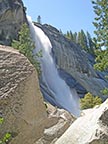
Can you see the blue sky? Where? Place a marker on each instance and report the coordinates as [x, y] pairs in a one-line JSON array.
[[66, 15]]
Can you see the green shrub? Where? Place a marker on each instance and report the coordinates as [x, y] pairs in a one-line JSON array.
[[6, 137], [104, 91], [89, 101], [1, 120]]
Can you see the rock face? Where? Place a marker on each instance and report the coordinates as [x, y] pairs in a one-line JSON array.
[[58, 122], [74, 64], [21, 103], [12, 16], [91, 128]]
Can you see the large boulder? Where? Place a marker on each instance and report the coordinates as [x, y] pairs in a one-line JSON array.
[[90, 128], [75, 66], [12, 16], [21, 103]]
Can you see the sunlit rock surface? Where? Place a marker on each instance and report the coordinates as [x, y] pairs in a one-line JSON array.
[[90, 128], [21, 103], [58, 122]]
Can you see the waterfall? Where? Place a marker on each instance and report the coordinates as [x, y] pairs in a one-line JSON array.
[[61, 94]]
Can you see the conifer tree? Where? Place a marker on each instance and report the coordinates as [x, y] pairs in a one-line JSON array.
[[39, 19], [101, 21], [75, 37], [67, 35], [25, 45], [79, 38], [101, 24], [71, 35], [91, 45], [84, 41]]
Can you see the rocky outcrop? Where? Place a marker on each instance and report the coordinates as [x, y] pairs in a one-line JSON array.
[[12, 16], [21, 103], [74, 64], [90, 128], [58, 122]]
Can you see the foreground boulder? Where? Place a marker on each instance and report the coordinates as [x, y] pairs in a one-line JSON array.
[[91, 128], [21, 103], [12, 16]]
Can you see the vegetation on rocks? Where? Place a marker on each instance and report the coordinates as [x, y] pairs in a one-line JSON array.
[[97, 46], [83, 39], [25, 45], [6, 137], [89, 101]]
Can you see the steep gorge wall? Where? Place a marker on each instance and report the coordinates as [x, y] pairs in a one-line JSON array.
[[74, 64]]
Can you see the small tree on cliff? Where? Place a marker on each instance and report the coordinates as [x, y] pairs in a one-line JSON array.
[[89, 101], [25, 46], [39, 19]]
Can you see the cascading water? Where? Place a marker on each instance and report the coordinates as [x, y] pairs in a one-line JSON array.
[[61, 94]]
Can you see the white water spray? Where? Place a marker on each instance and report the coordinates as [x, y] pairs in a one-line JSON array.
[[62, 96]]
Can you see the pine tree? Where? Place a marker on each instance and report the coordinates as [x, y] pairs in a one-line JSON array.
[[91, 45], [101, 21], [79, 38], [71, 36], [101, 24], [67, 35], [84, 41], [25, 46], [39, 19], [75, 37]]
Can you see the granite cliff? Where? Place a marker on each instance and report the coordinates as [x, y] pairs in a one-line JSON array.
[[75, 66], [12, 16]]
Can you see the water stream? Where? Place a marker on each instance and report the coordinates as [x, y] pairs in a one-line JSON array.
[[61, 94]]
